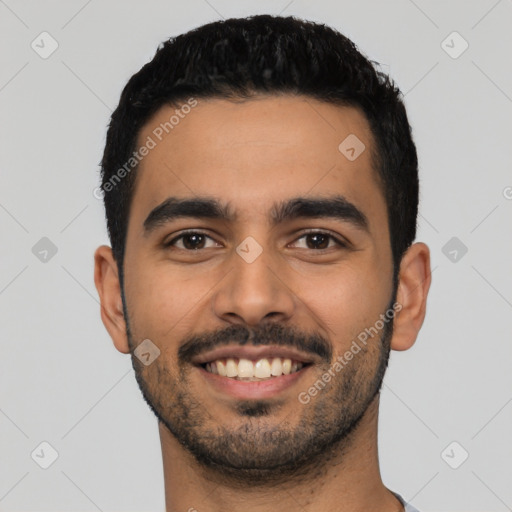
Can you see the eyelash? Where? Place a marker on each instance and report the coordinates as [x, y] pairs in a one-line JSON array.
[[336, 240]]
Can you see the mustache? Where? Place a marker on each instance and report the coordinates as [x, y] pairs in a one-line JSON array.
[[265, 334]]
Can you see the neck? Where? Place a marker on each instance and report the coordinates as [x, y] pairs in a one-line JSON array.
[[349, 481]]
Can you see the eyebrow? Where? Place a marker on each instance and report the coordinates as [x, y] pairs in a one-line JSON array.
[[333, 207]]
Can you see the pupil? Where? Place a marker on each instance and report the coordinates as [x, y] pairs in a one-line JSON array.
[[316, 237], [196, 240]]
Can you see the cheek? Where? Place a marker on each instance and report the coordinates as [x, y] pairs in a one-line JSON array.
[[161, 300], [347, 299]]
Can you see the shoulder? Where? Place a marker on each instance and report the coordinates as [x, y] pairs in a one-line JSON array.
[[408, 508]]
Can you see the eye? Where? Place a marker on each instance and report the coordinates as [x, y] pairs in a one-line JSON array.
[[320, 240], [190, 241], [196, 240]]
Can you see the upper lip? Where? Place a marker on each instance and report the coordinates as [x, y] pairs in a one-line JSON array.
[[253, 353]]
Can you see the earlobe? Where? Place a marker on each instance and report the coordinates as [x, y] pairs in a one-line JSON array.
[[106, 279], [414, 283]]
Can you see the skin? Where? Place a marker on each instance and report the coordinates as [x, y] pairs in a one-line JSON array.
[[252, 154]]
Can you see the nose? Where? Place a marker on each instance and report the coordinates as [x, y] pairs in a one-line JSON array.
[[254, 291]]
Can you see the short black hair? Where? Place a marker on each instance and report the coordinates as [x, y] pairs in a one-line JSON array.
[[240, 58]]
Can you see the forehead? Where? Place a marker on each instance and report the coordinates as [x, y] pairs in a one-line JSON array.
[[253, 153]]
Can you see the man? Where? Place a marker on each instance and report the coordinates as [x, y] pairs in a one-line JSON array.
[[261, 191]]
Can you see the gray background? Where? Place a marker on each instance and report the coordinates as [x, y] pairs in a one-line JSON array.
[[63, 382]]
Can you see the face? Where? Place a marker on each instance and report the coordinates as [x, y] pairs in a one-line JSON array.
[[256, 253]]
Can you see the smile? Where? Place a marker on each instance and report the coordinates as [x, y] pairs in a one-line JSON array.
[[253, 370]]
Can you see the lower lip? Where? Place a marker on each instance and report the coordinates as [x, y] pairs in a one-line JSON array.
[[252, 389]]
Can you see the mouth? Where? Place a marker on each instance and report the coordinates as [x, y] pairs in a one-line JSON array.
[[248, 370], [253, 372]]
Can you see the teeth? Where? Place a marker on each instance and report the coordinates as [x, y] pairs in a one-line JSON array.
[[262, 369], [276, 368], [245, 369], [221, 368], [231, 368]]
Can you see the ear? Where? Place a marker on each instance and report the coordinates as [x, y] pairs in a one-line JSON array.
[[106, 278], [414, 283]]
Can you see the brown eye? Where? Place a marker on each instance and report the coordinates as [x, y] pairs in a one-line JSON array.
[[193, 241], [189, 241], [319, 240]]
